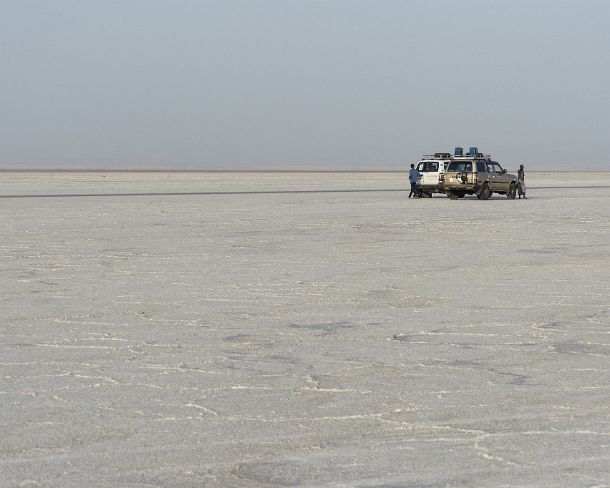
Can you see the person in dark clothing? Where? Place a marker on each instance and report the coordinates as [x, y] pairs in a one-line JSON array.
[[413, 174], [521, 181]]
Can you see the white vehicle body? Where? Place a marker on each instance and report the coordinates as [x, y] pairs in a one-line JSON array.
[[431, 169]]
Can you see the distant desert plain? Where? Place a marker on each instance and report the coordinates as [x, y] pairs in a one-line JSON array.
[[310, 329]]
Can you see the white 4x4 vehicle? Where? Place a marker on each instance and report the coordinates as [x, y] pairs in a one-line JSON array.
[[431, 171]]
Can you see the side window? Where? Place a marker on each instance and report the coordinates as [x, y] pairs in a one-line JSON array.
[[481, 167], [427, 167], [462, 167], [499, 168]]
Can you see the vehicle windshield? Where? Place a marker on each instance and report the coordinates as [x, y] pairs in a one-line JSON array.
[[460, 166], [427, 167]]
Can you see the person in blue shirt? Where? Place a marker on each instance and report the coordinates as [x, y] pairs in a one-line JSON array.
[[413, 174]]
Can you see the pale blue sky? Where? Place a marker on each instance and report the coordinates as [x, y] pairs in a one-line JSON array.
[[302, 83]]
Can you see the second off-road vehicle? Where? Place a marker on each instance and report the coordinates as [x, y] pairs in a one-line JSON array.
[[431, 171], [474, 173]]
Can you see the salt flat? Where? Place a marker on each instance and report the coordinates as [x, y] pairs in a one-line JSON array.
[[302, 329]]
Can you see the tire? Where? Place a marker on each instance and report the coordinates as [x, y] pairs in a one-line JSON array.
[[512, 192], [452, 195], [485, 193], [426, 194], [461, 195]]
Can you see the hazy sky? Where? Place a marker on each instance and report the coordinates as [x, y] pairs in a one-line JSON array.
[[302, 83]]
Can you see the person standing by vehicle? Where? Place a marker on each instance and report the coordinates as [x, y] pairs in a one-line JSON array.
[[413, 174], [521, 181]]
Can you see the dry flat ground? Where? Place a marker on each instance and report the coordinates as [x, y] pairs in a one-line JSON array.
[[302, 329]]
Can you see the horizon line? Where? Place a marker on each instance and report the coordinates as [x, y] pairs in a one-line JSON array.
[[157, 170]]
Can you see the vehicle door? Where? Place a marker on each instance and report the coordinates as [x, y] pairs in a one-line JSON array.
[[431, 174], [500, 178], [491, 175], [463, 172], [482, 175], [420, 173], [428, 171]]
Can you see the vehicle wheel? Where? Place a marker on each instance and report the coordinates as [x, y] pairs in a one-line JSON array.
[[461, 195], [512, 192], [426, 194], [485, 193], [452, 195]]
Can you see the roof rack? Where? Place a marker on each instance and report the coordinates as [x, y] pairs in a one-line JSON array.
[[437, 156], [469, 156], [472, 153]]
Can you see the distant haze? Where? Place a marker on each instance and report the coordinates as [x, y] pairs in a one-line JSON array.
[[302, 84]]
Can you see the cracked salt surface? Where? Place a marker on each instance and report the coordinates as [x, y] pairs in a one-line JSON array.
[[154, 339]]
